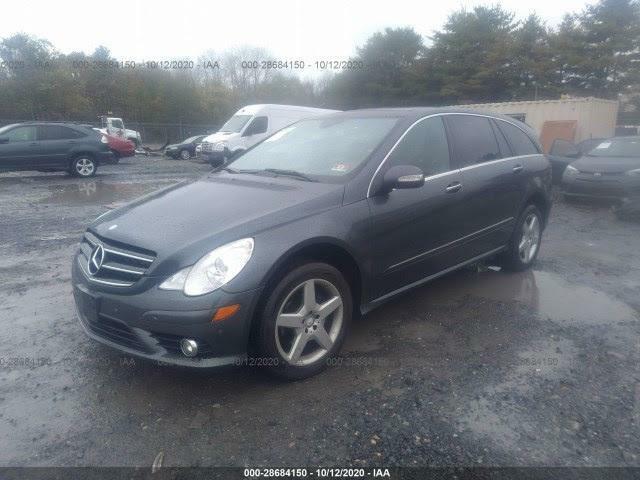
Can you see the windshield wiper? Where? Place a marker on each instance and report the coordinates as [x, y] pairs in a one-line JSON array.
[[289, 173], [233, 170]]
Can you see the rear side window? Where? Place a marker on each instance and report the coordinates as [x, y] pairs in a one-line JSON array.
[[57, 132], [520, 141], [21, 134], [424, 146], [473, 139]]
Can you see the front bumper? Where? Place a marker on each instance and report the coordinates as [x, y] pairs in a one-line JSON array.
[[214, 158], [604, 186], [149, 324]]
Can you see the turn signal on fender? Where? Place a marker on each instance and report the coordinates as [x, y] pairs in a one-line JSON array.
[[225, 312]]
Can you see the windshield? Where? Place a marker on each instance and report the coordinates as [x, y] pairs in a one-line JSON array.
[[7, 127], [618, 147], [191, 139], [117, 124], [329, 147], [235, 123]]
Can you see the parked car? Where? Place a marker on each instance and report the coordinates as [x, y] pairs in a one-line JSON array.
[[563, 152], [328, 217], [250, 125], [609, 171], [46, 146], [184, 150]]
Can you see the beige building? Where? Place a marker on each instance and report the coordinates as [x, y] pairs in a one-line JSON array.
[[590, 117]]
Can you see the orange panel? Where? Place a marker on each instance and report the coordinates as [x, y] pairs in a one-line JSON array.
[[554, 129]]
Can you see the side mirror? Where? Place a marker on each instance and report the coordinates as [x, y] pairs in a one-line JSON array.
[[400, 177], [4, 140]]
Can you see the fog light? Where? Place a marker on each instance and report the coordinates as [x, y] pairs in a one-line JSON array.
[[189, 347]]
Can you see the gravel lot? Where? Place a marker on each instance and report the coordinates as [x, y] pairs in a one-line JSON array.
[[477, 368]]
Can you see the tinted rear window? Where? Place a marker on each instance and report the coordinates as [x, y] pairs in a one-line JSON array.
[[57, 132], [473, 139], [520, 141]]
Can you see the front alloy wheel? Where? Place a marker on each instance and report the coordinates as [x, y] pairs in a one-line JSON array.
[[309, 322], [304, 321], [184, 155]]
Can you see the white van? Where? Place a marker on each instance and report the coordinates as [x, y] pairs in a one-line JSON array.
[[251, 124]]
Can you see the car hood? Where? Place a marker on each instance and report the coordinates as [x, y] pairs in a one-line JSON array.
[[590, 164], [183, 222], [220, 136]]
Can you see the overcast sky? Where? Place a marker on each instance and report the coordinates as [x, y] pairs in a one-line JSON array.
[[161, 30]]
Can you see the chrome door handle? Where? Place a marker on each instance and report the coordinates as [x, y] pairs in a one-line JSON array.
[[518, 168], [454, 187]]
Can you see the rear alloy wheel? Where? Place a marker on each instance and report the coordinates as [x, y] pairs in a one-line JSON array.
[[84, 166], [185, 155], [525, 241], [305, 320]]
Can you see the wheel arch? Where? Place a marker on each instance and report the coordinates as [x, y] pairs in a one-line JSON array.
[[324, 249]]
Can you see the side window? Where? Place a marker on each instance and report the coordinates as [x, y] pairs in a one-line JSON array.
[[257, 125], [56, 132], [520, 141], [505, 149], [473, 139], [21, 134], [425, 146]]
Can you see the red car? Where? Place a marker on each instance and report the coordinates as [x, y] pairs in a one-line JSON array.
[[120, 147]]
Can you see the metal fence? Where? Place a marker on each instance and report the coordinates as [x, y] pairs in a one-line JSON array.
[[153, 134]]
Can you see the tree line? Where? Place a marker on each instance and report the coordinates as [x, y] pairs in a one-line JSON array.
[[479, 55]]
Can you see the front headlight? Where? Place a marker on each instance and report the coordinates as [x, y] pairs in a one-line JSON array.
[[212, 271], [571, 170], [219, 147], [634, 173]]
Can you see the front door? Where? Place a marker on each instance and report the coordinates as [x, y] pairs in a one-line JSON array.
[[414, 231], [18, 148]]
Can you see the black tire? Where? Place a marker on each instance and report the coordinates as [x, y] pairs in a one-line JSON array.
[[272, 339], [184, 155], [514, 258], [83, 166]]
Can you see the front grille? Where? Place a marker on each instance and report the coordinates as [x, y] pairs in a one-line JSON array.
[[207, 147], [121, 266], [115, 331], [171, 343]]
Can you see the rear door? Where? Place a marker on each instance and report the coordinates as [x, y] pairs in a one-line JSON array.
[[55, 142], [18, 148], [414, 231], [490, 191]]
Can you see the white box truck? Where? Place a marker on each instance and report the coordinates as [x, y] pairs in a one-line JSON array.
[[250, 125]]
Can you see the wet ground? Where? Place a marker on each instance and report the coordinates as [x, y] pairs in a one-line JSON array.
[[477, 368]]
